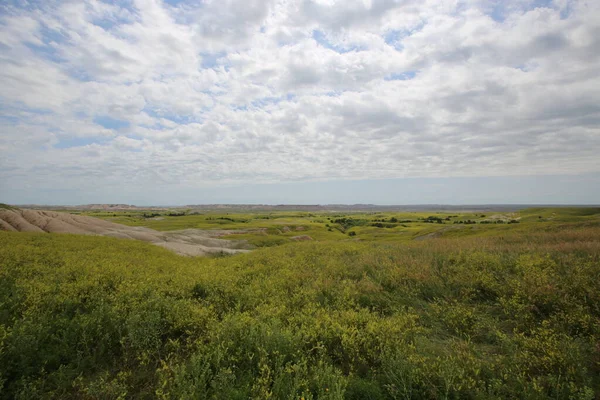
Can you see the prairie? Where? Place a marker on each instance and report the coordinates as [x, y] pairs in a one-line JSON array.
[[475, 310]]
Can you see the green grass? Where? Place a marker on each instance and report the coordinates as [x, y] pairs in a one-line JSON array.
[[322, 226], [482, 312]]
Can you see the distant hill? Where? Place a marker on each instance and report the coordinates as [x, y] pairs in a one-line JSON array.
[[193, 242], [301, 207]]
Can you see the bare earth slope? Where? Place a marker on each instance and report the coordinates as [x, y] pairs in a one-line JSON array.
[[193, 242]]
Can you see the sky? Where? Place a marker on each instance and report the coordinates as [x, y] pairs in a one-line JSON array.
[[300, 101]]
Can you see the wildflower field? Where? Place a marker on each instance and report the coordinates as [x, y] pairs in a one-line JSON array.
[[477, 310]]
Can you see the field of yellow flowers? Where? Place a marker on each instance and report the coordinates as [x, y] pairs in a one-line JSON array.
[[505, 314]]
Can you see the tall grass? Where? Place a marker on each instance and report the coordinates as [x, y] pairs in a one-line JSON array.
[[495, 317]]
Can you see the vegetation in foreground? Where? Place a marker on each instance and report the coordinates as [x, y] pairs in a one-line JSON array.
[[507, 313]]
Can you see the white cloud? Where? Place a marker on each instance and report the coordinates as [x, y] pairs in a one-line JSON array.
[[214, 92]]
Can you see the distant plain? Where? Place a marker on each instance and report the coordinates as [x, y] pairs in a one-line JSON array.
[[367, 304]]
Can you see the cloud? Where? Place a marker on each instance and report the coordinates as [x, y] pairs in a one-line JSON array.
[[194, 94]]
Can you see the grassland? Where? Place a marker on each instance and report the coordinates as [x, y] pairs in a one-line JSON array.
[[278, 228], [478, 310]]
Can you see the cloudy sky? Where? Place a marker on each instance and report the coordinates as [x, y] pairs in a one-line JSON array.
[[300, 101]]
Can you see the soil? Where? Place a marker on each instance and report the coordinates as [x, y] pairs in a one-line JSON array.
[[191, 242]]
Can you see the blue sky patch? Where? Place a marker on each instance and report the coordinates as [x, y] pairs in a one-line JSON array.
[[19, 113], [401, 76], [521, 67], [179, 119], [264, 101], [30, 5], [334, 93], [175, 2], [50, 38], [111, 123], [321, 38], [499, 9], [393, 38], [210, 60], [11, 119]]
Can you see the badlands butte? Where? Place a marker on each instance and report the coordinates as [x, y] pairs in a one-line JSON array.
[[191, 242]]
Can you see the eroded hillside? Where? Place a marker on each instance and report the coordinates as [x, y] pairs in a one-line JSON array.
[[194, 242]]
